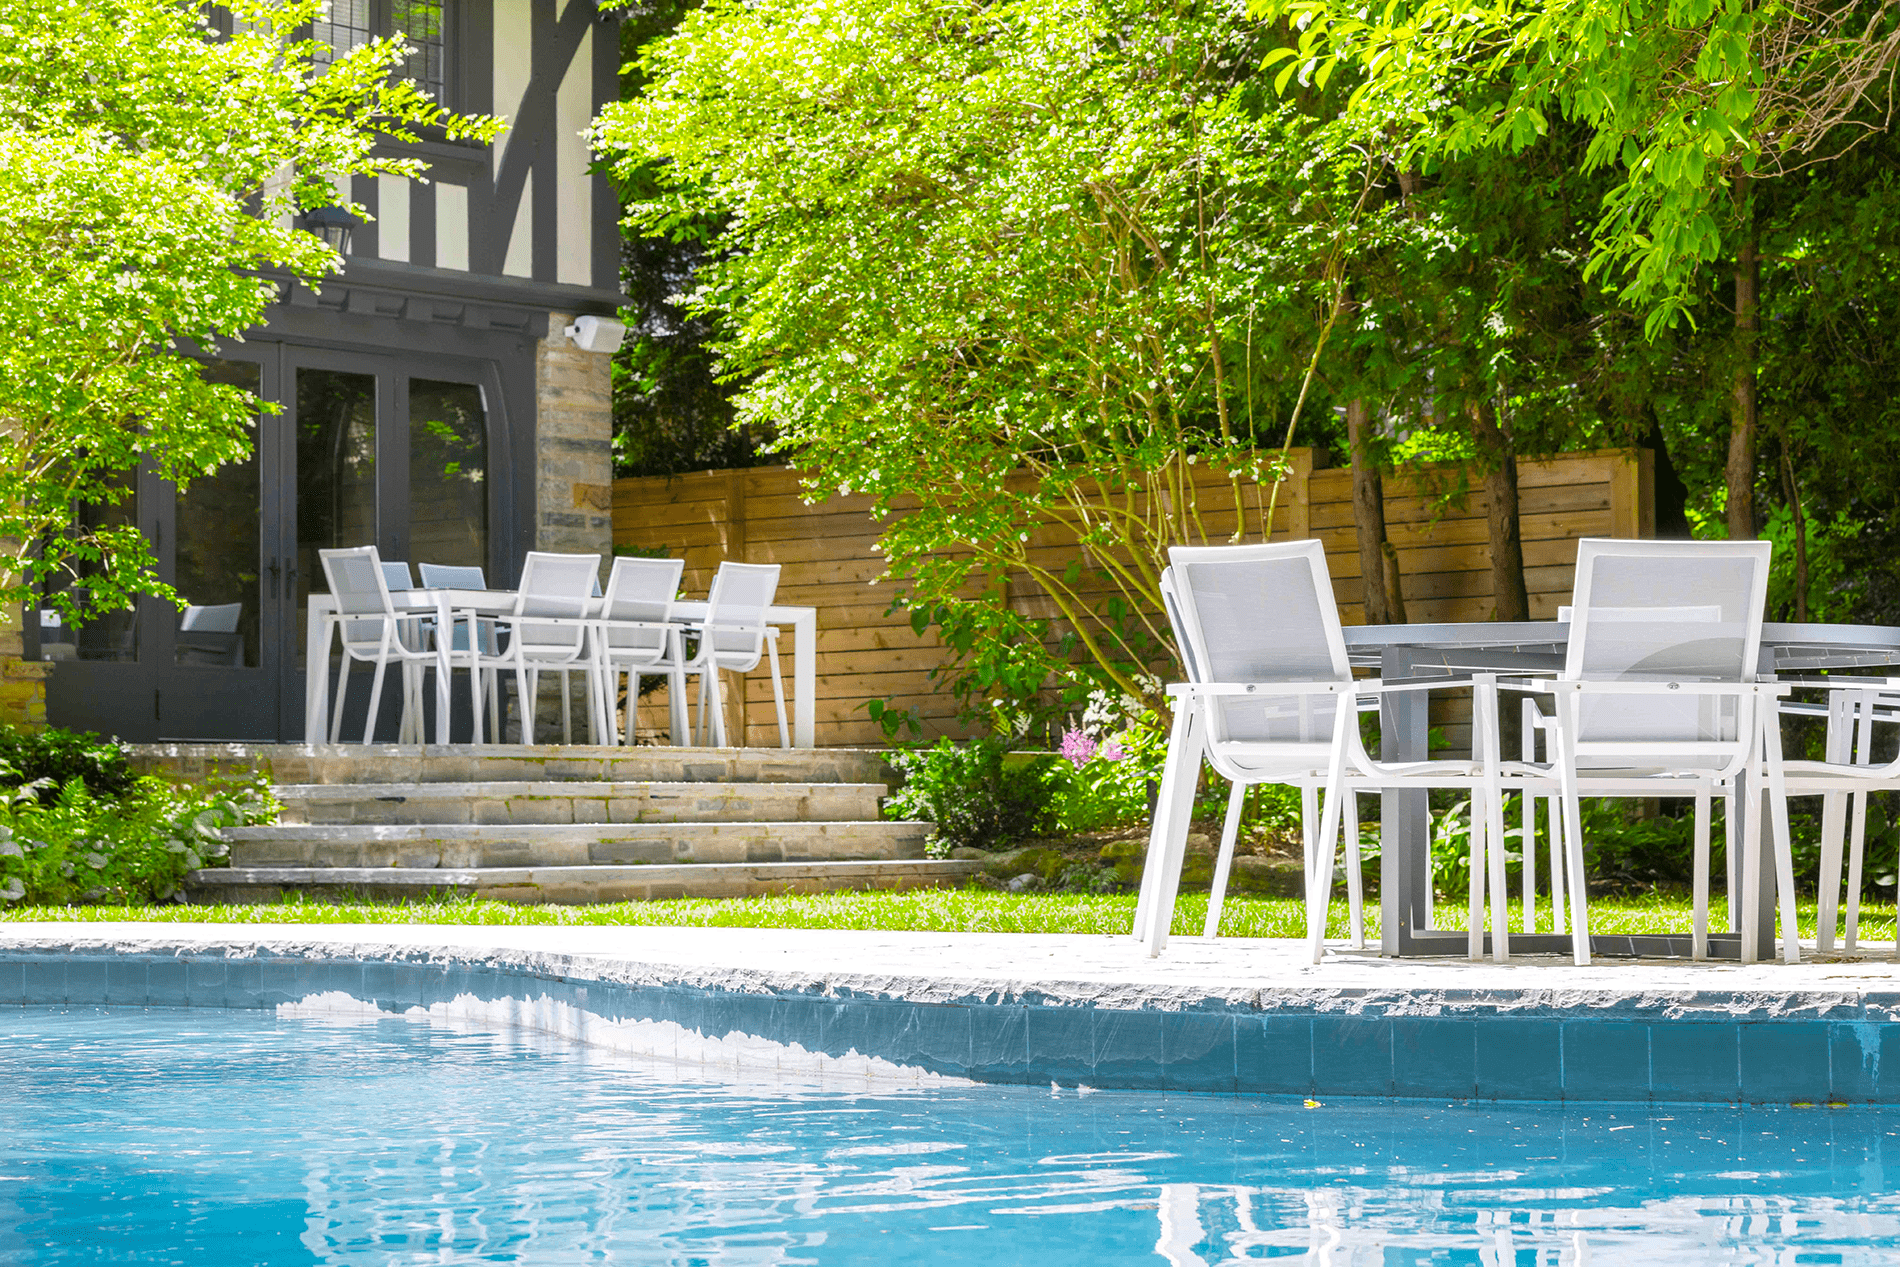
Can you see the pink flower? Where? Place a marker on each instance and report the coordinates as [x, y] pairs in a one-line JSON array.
[[1077, 747], [1111, 751]]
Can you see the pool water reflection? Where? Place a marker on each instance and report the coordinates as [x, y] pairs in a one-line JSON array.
[[134, 1136]]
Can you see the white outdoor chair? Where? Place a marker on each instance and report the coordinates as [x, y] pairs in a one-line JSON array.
[[372, 632], [635, 634], [1854, 707], [457, 576], [1657, 698], [733, 636], [1274, 701], [547, 630]]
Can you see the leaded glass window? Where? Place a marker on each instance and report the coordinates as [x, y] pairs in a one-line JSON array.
[[347, 24]]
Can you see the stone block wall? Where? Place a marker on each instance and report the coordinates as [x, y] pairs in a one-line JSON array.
[[574, 445], [22, 681], [574, 471]]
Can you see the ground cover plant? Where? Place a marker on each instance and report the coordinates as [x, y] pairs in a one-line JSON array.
[[76, 825]]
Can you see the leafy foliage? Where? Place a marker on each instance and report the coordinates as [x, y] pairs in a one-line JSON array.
[[52, 758], [1013, 270], [976, 797], [146, 205], [79, 846]]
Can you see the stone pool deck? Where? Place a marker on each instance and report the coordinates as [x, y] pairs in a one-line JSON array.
[[1233, 1015]]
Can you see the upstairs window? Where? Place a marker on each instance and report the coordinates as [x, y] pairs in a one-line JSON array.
[[423, 24]]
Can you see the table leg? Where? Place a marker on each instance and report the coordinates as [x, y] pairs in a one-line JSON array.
[[805, 680], [1405, 872], [316, 687]]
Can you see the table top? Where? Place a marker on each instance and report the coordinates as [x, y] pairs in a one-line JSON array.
[[502, 602], [1786, 648]]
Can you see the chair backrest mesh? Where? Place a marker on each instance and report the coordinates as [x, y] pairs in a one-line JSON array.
[[735, 611], [396, 576], [223, 618], [641, 590], [557, 586], [451, 576], [357, 584], [1685, 611], [1260, 613]]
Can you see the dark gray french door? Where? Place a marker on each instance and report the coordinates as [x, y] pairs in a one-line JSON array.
[[362, 449]]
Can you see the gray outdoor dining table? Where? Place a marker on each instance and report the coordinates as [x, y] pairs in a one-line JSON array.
[[1398, 652]]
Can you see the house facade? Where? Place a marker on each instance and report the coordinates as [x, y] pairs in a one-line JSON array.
[[430, 401]]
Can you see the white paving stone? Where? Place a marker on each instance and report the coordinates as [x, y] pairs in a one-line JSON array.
[[1108, 971]]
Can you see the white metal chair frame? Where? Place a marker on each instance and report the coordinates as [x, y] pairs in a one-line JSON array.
[[638, 602], [1844, 778], [479, 632], [391, 634], [1340, 765], [547, 631], [1666, 765], [708, 657]]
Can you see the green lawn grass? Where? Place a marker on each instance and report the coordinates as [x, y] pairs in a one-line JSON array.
[[919, 910]]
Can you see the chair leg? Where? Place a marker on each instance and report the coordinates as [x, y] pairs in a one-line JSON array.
[[1828, 898], [1729, 857], [1570, 805], [1355, 873], [1485, 693], [525, 688], [567, 719], [778, 694], [1699, 941], [1230, 831], [1478, 865], [475, 705], [1553, 815], [375, 699], [1528, 827], [342, 693], [1855, 858], [1309, 828], [1784, 845], [1167, 832], [1319, 889]]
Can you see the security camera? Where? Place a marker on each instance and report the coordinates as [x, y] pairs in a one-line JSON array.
[[597, 334]]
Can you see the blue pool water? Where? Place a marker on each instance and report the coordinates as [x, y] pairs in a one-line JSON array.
[[208, 1137]]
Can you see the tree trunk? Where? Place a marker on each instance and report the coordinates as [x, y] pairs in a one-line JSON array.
[[1368, 514], [1742, 414], [1793, 493], [1510, 599]]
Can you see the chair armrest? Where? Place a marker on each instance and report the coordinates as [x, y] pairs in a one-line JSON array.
[[1365, 686]]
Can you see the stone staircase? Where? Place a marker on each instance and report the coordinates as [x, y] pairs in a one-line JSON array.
[[561, 824]]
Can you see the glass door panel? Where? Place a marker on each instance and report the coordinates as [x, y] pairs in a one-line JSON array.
[[448, 473], [336, 472], [216, 566]]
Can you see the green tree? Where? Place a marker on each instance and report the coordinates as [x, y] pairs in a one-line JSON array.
[[149, 169], [1017, 270]]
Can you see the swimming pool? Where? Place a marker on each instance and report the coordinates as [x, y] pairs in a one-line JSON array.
[[210, 1136]]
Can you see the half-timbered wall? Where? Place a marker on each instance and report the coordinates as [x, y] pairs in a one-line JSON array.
[[830, 561]]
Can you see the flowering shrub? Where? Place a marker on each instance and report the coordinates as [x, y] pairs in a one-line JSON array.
[[972, 794], [66, 844]]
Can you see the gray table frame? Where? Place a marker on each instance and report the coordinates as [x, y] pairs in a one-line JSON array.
[[1407, 651]]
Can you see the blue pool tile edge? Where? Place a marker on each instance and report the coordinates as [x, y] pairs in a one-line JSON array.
[[1712, 1049]]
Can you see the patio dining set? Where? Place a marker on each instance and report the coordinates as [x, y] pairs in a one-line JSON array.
[[1661, 681], [557, 620]]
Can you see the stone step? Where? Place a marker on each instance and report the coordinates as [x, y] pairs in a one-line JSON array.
[[569, 885], [471, 845], [512, 803], [530, 763]]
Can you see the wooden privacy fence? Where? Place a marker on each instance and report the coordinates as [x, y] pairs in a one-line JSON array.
[[865, 652]]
